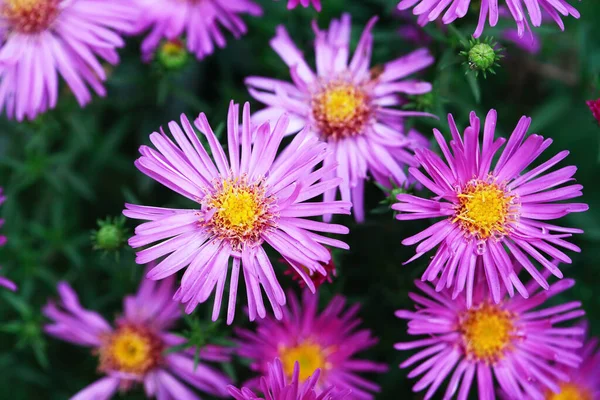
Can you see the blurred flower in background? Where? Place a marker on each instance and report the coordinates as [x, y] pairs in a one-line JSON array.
[[136, 350], [488, 212], [275, 386], [255, 197], [304, 3], [3, 281], [347, 104], [515, 341], [41, 39], [594, 106], [327, 340], [199, 22]]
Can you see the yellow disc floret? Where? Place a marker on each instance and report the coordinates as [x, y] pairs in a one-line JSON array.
[[487, 332], [340, 109], [309, 356], [30, 16], [484, 210], [130, 349], [570, 391]]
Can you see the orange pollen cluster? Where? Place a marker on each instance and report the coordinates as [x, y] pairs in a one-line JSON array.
[[340, 109], [239, 212], [570, 391], [30, 16], [485, 210], [130, 349], [487, 332]]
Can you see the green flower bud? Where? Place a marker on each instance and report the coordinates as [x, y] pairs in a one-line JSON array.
[[172, 54], [110, 235], [482, 56]]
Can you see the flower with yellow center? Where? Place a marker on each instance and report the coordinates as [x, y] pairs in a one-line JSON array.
[[340, 110], [30, 16], [131, 349], [569, 391], [487, 332], [239, 212], [309, 355], [485, 210]]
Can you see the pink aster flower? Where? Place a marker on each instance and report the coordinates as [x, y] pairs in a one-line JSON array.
[[346, 104], [3, 281], [430, 10], [245, 200], [201, 22], [134, 351], [490, 212], [594, 106], [514, 343], [41, 39], [304, 3], [275, 386], [327, 341]]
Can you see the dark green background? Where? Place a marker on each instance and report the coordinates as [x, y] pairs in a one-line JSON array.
[[70, 167]]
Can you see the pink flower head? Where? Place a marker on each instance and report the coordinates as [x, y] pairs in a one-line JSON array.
[[245, 200], [327, 341], [41, 39], [594, 106], [490, 212], [3, 281], [199, 21], [346, 104], [304, 3], [274, 386], [430, 10], [515, 343], [134, 351]]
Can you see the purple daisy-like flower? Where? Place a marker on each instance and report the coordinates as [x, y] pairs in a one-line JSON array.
[[520, 344], [41, 39], [250, 198], [304, 3], [347, 104], [134, 351], [490, 212], [430, 10], [327, 341], [275, 386], [4, 281], [200, 21]]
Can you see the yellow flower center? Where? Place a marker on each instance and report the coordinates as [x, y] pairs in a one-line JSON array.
[[309, 356], [242, 211], [484, 209], [340, 110], [30, 16], [487, 332], [569, 391], [131, 349]]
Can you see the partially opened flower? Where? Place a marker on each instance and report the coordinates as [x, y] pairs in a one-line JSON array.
[[327, 340], [246, 200], [42, 39], [200, 22], [489, 212], [136, 351], [3, 281], [277, 386], [594, 106], [430, 10], [304, 3], [348, 104], [515, 344]]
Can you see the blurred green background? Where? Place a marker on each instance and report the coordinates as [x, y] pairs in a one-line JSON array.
[[71, 167]]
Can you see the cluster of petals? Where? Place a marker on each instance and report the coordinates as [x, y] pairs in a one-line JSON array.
[[275, 386], [151, 311], [370, 138], [200, 240], [329, 338], [490, 11], [200, 22], [4, 281], [45, 39], [304, 3], [478, 233], [527, 358]]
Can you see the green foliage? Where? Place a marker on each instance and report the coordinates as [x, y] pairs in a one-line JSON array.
[[72, 166]]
